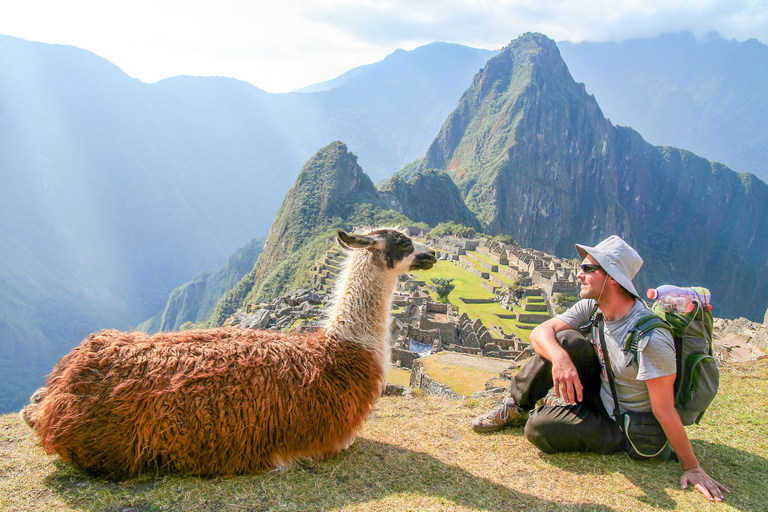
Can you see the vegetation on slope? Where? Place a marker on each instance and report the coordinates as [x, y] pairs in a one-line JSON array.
[[330, 193]]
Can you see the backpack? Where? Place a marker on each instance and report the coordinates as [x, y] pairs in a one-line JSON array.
[[698, 377]]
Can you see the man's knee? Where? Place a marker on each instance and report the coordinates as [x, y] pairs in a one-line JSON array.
[[575, 343], [538, 431], [582, 354]]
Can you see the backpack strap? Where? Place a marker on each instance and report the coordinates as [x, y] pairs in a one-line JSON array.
[[598, 320], [643, 326], [594, 318]]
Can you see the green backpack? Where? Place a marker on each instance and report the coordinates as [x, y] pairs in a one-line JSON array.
[[697, 377]]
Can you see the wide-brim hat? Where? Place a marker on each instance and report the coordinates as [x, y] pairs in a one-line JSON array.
[[617, 258]]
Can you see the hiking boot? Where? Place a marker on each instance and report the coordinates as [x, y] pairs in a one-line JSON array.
[[505, 414]]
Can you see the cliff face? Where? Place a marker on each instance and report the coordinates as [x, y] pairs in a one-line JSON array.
[[705, 95], [535, 158]]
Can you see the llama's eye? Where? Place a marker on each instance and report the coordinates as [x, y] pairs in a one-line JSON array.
[[404, 243]]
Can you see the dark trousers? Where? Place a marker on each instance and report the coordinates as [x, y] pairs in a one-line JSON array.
[[582, 427]]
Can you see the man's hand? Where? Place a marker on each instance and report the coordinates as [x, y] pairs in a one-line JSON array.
[[565, 380], [705, 484]]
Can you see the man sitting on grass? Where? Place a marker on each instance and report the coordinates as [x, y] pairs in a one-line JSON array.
[[574, 366]]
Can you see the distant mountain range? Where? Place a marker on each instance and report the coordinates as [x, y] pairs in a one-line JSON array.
[[709, 97], [115, 192]]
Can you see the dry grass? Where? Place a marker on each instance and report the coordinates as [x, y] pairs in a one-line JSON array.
[[399, 376], [464, 373], [420, 454]]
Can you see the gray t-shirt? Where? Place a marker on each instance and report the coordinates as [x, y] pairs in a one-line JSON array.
[[655, 356]]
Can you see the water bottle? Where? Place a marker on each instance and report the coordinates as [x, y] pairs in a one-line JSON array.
[[679, 299]]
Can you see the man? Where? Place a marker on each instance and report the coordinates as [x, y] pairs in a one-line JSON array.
[[573, 366]]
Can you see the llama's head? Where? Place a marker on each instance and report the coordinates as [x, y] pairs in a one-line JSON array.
[[392, 246]]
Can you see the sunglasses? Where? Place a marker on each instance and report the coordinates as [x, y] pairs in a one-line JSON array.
[[588, 269]]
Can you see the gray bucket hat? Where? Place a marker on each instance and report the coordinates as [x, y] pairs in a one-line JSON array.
[[617, 258]]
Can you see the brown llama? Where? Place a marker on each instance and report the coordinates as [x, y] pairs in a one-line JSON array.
[[230, 401]]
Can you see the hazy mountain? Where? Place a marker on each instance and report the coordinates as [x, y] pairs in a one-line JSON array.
[[114, 192], [195, 301], [709, 97], [535, 158], [428, 66]]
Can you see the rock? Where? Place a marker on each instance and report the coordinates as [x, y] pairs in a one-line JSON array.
[[489, 392], [761, 338], [283, 312], [237, 318], [741, 326], [257, 320], [396, 390], [736, 348]]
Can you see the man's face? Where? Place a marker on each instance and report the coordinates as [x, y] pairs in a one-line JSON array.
[[592, 281]]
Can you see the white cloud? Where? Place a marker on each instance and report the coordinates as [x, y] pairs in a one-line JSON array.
[[286, 44]]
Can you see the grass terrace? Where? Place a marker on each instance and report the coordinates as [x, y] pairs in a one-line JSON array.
[[468, 285]]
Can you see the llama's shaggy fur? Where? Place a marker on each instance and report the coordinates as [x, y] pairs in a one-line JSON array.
[[229, 401]]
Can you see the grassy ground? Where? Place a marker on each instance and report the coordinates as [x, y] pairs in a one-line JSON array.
[[420, 454], [465, 374]]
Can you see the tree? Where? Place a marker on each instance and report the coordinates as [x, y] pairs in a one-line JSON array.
[[443, 287]]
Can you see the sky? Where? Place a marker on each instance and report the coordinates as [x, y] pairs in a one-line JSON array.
[[282, 45]]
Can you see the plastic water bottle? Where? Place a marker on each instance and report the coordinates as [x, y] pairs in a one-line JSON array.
[[680, 299]]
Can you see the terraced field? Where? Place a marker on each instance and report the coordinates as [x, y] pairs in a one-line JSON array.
[[493, 316]]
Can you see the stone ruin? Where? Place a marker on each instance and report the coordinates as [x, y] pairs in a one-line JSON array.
[[415, 317], [514, 274]]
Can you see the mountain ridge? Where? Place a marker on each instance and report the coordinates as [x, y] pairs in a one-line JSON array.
[[707, 96], [535, 159]]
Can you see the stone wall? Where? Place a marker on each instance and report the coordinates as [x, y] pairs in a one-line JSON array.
[[422, 381], [405, 358], [447, 329]]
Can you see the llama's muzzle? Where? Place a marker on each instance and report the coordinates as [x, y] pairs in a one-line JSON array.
[[424, 260]]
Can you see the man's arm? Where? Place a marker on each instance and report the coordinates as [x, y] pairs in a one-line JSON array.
[[565, 378], [662, 397]]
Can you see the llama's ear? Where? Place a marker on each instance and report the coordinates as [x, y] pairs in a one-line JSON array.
[[352, 241]]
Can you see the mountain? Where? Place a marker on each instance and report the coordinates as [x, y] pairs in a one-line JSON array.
[[706, 96], [195, 301], [535, 158], [389, 112], [429, 196], [426, 67], [115, 192], [330, 193]]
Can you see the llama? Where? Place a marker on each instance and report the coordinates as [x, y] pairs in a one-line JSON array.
[[230, 401]]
